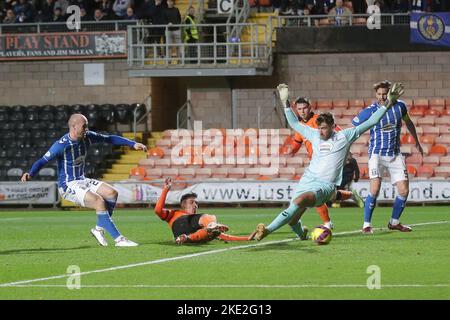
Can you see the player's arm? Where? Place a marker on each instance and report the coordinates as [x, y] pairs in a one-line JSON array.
[[296, 143], [163, 213], [51, 154], [305, 131], [115, 140], [394, 93], [412, 130]]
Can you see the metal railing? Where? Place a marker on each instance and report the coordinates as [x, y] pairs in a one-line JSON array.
[[275, 109], [346, 20], [240, 14], [215, 49], [49, 27], [184, 116], [148, 109]]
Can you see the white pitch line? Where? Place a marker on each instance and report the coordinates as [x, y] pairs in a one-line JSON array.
[[237, 286], [188, 256]]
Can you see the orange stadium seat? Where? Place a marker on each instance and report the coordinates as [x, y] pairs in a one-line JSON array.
[[416, 112], [187, 173], [270, 172], [155, 152], [406, 150], [236, 173], [368, 102], [252, 173], [412, 171], [162, 163], [428, 129], [446, 111], [294, 161], [364, 173], [220, 173], [407, 139], [170, 172], [445, 160], [447, 103], [341, 103], [426, 139], [438, 149], [349, 113], [163, 143], [433, 112], [425, 171], [408, 102], [337, 112], [138, 173], [299, 171]]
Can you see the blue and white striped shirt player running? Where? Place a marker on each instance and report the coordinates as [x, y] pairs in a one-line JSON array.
[[70, 152]]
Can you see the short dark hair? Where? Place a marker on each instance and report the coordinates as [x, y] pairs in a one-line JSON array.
[[304, 100], [383, 84], [325, 117], [187, 195]]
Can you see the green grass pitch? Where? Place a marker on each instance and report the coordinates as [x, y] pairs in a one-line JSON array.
[[38, 245]]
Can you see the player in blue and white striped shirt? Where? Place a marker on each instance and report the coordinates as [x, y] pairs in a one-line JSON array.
[[384, 153], [70, 152]]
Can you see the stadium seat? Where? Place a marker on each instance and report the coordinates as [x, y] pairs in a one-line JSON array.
[[138, 173], [407, 139], [147, 163], [421, 103], [162, 163], [445, 161], [294, 161], [77, 108], [442, 171], [269, 172], [203, 173], [357, 103], [443, 139], [438, 149], [447, 104], [122, 113], [236, 173], [14, 174], [153, 173], [406, 150], [431, 160], [425, 171], [155, 153], [299, 171], [324, 105], [432, 112], [428, 129], [341, 103], [416, 112], [412, 171], [187, 173], [415, 159], [47, 174], [287, 173], [252, 173], [437, 103], [427, 139], [220, 173], [426, 120]]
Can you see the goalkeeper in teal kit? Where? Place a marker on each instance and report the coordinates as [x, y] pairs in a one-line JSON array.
[[324, 173]]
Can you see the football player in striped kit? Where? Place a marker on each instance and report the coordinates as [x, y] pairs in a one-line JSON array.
[[384, 154], [70, 152]]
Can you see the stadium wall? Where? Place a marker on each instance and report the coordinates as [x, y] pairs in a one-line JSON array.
[[62, 82], [321, 76]]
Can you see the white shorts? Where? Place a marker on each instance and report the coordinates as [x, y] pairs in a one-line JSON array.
[[77, 189], [395, 165]]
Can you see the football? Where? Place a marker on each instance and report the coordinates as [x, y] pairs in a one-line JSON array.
[[321, 235]]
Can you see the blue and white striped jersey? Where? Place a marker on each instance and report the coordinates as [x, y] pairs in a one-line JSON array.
[[385, 135], [71, 155]]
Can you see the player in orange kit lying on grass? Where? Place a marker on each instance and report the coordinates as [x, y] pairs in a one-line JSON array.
[[187, 225]]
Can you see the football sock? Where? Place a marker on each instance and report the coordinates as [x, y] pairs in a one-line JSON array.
[[399, 206], [104, 221], [284, 217], [298, 229], [110, 205], [369, 206], [323, 213], [200, 235]]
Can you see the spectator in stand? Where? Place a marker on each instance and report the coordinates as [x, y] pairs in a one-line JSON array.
[[158, 18], [62, 4], [130, 14], [292, 7], [57, 15], [86, 4], [120, 8], [418, 5], [10, 17], [191, 35], [400, 6], [23, 11], [99, 15], [84, 15], [45, 13], [359, 6], [339, 14], [173, 36], [106, 6]]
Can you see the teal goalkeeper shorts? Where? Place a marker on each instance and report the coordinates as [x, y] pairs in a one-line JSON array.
[[324, 191]]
